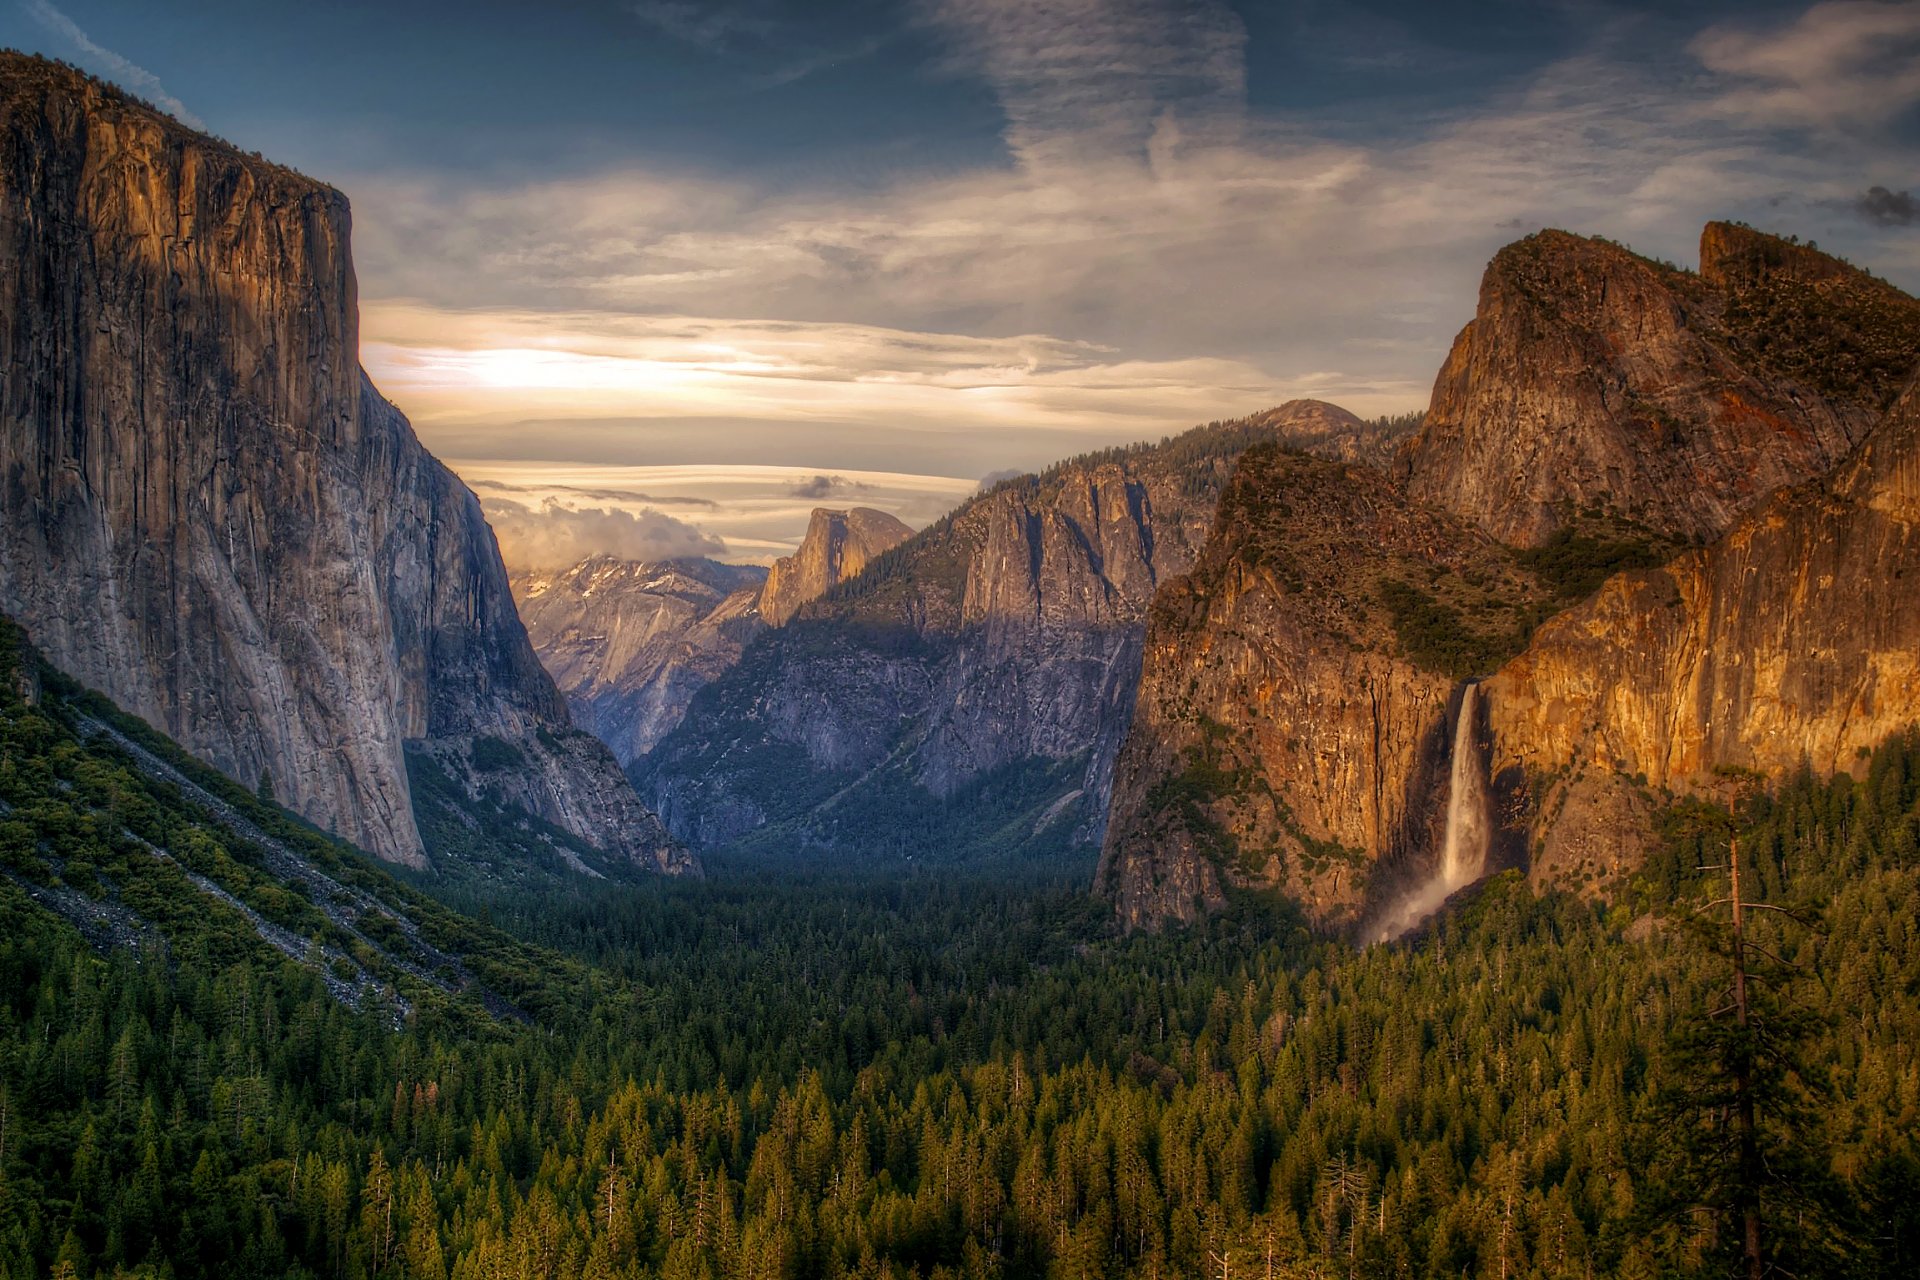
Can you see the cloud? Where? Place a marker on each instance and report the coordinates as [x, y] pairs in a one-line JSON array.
[[1888, 208], [993, 478], [510, 384], [599, 495], [821, 486], [1103, 77], [552, 536], [1847, 62], [130, 76], [754, 510], [1152, 253], [759, 51]]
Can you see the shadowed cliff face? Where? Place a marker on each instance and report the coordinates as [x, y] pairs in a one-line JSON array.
[[629, 644], [838, 545], [1295, 706], [208, 511], [1792, 641], [1007, 633], [1594, 381]]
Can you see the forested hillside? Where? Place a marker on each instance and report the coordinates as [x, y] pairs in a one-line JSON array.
[[764, 1075]]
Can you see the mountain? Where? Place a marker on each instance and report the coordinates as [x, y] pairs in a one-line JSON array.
[[1297, 688], [1791, 643], [116, 830], [629, 643], [1593, 382], [983, 671], [837, 545], [1307, 721], [208, 512]]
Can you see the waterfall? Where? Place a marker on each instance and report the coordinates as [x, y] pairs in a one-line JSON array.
[[1464, 857]]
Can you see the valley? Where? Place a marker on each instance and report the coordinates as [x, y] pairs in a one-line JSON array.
[[1473, 840]]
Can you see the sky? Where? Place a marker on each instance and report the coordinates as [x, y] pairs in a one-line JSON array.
[[659, 276]]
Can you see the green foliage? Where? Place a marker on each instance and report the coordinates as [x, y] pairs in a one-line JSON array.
[[1396, 426], [1434, 635], [1008, 817], [1836, 329], [493, 755], [836, 1074], [1574, 562]]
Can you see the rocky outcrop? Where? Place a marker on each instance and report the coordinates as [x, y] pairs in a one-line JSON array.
[[1328, 431], [1793, 641], [1594, 382], [1004, 637], [208, 512], [1302, 685], [629, 643], [1293, 723], [838, 545]]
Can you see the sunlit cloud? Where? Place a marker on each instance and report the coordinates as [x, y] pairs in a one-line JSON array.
[[549, 513], [1848, 62], [1152, 254], [554, 536], [859, 390]]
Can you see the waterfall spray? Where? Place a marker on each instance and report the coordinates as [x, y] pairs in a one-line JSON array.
[[1463, 855]]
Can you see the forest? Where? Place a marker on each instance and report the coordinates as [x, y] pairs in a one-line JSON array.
[[923, 1070]]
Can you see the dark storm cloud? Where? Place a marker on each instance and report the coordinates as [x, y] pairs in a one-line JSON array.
[[1886, 208]]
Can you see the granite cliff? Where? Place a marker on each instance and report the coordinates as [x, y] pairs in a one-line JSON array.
[[1594, 382], [1792, 642], [1292, 726], [995, 652], [630, 643], [837, 545], [208, 512], [1299, 706]]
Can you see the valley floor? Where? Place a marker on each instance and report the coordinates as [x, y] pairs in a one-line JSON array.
[[888, 1072]]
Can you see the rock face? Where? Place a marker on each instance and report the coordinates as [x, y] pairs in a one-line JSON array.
[[1594, 381], [1293, 727], [1792, 641], [1301, 687], [1004, 637], [838, 545], [208, 512], [629, 643]]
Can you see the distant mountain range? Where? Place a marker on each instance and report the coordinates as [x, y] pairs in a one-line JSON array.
[[999, 645], [1658, 522]]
